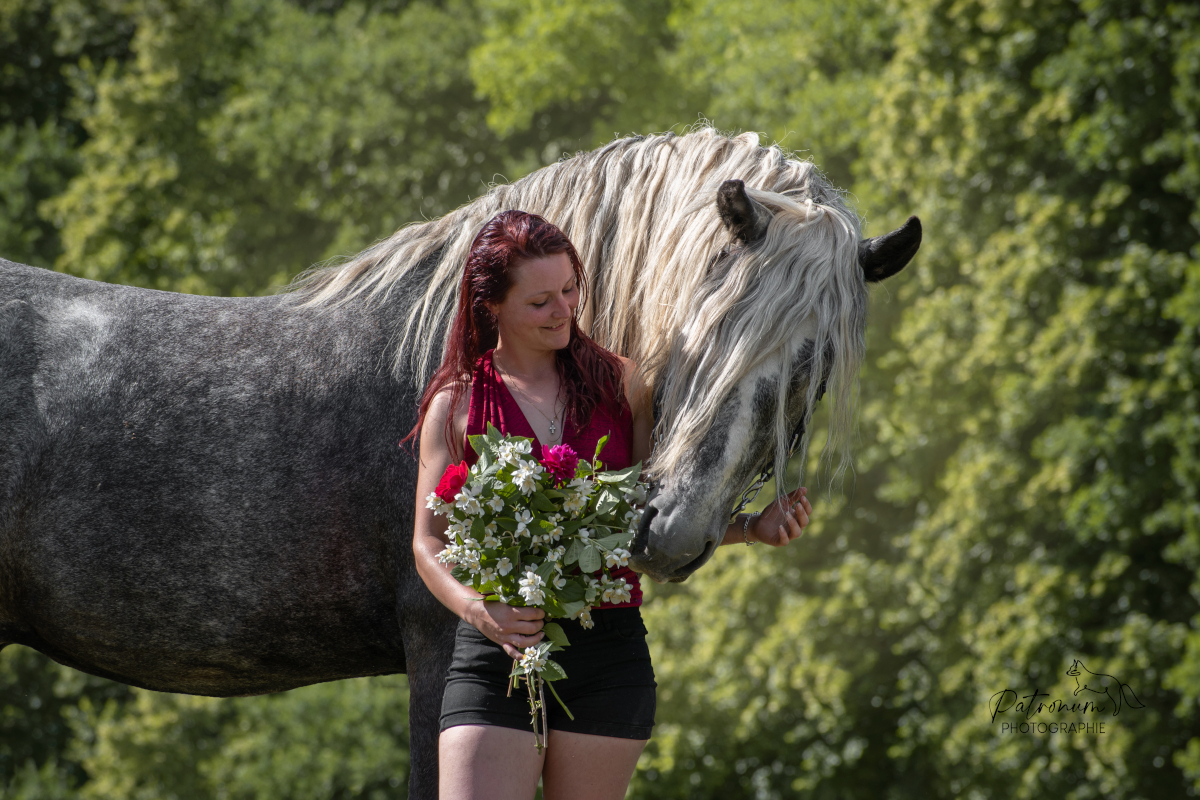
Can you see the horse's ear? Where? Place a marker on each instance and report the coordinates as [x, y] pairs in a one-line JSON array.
[[745, 219], [883, 256]]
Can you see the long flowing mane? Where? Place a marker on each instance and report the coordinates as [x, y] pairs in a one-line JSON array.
[[641, 212]]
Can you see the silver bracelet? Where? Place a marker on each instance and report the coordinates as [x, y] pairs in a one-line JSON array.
[[746, 526]]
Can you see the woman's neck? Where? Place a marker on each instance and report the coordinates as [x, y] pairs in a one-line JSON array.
[[531, 366]]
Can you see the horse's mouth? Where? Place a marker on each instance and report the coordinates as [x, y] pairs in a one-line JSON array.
[[683, 573]]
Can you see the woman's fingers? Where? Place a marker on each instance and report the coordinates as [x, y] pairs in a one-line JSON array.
[[522, 612], [527, 628]]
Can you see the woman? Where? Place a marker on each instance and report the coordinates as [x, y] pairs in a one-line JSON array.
[[516, 359]]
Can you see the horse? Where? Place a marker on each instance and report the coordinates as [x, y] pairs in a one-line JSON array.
[[206, 495]]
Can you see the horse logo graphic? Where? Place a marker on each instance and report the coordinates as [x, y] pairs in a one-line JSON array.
[[1103, 684]]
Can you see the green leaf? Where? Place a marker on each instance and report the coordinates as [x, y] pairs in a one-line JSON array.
[[629, 476], [552, 671], [545, 570], [555, 633], [573, 607], [481, 445], [607, 501], [614, 541], [600, 446], [573, 551], [589, 559], [570, 593], [553, 608], [542, 503]]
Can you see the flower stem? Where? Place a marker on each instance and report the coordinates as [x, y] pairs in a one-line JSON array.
[[559, 699]]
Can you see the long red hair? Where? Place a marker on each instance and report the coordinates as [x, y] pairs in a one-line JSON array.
[[589, 373]]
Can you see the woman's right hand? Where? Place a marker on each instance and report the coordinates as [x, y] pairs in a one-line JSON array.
[[512, 627]]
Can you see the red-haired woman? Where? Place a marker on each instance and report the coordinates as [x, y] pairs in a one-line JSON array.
[[516, 359]]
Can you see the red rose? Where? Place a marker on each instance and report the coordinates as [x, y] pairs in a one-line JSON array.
[[453, 479]]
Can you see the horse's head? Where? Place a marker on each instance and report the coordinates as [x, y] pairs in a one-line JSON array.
[[780, 316]]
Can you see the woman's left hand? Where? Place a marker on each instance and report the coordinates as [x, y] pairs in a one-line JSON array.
[[782, 521]]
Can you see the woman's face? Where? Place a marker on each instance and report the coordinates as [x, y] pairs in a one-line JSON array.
[[537, 311]]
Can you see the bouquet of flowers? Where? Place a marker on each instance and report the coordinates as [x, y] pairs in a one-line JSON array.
[[539, 533]]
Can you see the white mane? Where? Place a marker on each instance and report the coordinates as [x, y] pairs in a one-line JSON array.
[[641, 212]]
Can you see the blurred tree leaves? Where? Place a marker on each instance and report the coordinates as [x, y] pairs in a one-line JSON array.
[[1030, 431]]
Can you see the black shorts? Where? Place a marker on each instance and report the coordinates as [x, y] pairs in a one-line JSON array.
[[609, 685]]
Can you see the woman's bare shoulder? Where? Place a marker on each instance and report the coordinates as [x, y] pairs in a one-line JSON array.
[[439, 404]]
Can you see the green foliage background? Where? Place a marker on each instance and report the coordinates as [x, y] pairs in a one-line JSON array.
[[1029, 460]]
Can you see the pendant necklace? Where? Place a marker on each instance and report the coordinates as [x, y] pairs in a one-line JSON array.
[[552, 420]]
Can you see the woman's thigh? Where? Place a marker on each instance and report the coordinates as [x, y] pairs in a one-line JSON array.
[[580, 766], [488, 761]]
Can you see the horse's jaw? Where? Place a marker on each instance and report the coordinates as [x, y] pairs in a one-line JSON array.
[[675, 539]]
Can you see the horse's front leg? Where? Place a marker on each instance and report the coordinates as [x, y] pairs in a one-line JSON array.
[[428, 631]]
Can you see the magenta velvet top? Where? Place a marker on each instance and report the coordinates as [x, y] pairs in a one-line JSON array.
[[492, 402]]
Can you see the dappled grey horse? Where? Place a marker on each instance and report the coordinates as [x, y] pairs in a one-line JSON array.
[[205, 495]]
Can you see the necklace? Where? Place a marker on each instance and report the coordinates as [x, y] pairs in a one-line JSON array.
[[552, 420]]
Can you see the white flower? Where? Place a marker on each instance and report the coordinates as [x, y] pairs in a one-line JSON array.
[[636, 495], [559, 582], [437, 504], [469, 506], [489, 539], [525, 480], [449, 554], [585, 617], [531, 589], [615, 591], [557, 554], [523, 518], [554, 533], [533, 660], [504, 567], [574, 502], [617, 558], [456, 530], [523, 446], [496, 503], [505, 454], [585, 533], [487, 575], [470, 560]]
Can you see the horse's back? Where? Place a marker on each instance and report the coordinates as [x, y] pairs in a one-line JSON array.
[[198, 480]]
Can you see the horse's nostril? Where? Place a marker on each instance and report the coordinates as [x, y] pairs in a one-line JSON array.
[[641, 542]]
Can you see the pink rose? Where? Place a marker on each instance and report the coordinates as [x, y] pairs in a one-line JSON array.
[[560, 461]]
